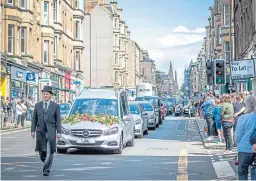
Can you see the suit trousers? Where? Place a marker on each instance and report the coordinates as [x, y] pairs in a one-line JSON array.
[[47, 158]]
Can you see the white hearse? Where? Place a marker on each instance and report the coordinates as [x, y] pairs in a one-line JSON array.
[[87, 134]]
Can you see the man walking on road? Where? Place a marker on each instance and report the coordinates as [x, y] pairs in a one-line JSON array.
[[45, 122]]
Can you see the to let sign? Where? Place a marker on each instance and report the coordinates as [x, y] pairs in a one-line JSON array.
[[242, 69]]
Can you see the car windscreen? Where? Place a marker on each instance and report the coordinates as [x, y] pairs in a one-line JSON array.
[[147, 107], [95, 107], [134, 109], [149, 99], [64, 108]]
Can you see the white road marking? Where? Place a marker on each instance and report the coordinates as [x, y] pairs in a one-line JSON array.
[[223, 169], [10, 168], [106, 163], [177, 126]]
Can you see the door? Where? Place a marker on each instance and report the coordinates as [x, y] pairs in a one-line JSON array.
[[127, 119], [144, 118]]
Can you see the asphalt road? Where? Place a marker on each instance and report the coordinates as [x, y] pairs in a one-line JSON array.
[[173, 151]]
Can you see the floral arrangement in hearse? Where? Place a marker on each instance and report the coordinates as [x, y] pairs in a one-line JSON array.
[[108, 120]]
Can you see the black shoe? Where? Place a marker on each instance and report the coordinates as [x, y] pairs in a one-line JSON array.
[[46, 174]]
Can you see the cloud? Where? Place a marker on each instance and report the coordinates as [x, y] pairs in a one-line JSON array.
[[179, 39], [183, 29]]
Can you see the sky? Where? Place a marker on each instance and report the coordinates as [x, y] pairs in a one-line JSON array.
[[171, 30]]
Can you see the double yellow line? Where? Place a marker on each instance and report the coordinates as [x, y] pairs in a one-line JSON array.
[[183, 165]]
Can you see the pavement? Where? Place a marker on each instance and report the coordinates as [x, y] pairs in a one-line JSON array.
[[174, 151], [27, 124]]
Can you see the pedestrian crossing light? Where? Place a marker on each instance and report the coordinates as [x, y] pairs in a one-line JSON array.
[[220, 72]]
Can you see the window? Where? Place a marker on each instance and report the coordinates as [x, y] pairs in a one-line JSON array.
[[77, 29], [226, 14], [219, 35], [23, 40], [46, 52], [23, 4], [116, 58], [46, 15], [116, 76], [227, 50], [219, 5], [116, 40], [55, 47], [55, 10], [10, 2], [120, 44], [10, 38], [76, 4], [77, 61]]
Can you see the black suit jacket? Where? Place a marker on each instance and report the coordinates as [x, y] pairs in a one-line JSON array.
[[53, 124]]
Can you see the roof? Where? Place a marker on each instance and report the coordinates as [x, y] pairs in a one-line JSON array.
[[98, 94], [144, 102]]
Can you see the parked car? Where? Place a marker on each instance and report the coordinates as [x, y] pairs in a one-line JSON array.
[[177, 110], [189, 109], [64, 109], [87, 134], [140, 118], [153, 114], [157, 104]]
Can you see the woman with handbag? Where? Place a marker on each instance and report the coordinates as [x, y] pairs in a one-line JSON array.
[[245, 135]]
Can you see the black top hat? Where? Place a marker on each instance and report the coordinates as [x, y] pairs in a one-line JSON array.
[[47, 89]]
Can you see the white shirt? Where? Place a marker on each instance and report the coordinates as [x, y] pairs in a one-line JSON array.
[[19, 110], [48, 103]]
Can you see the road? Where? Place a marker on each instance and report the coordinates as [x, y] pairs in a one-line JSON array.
[[173, 151]]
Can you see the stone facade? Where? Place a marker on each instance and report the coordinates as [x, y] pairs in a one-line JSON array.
[[43, 39]]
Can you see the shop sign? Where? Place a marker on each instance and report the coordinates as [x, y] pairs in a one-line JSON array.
[[242, 69], [32, 77], [45, 82], [18, 74]]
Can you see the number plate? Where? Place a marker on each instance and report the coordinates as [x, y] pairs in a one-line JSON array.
[[85, 141]]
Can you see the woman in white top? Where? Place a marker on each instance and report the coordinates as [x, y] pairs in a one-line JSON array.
[[19, 112], [24, 112]]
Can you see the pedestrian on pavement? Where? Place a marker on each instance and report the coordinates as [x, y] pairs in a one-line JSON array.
[[19, 112], [227, 122], [217, 119], [238, 106], [24, 112], [46, 122], [245, 129]]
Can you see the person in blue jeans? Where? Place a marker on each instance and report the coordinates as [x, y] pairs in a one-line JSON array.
[[217, 119], [245, 128]]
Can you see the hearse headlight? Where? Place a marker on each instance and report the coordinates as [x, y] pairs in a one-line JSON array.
[[111, 131], [137, 122], [65, 131]]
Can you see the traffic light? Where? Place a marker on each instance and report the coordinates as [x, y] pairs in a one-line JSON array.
[[209, 72], [220, 72]]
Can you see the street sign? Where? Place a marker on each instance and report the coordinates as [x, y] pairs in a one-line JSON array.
[[242, 69]]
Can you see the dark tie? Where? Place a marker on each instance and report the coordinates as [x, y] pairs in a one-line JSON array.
[[45, 107]]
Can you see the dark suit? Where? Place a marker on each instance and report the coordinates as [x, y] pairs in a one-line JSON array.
[[45, 124]]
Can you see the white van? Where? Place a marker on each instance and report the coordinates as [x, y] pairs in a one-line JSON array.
[[145, 89]]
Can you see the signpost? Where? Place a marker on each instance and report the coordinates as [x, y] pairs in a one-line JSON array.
[[242, 69]]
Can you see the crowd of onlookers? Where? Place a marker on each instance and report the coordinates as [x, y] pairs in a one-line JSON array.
[[232, 119], [16, 110]]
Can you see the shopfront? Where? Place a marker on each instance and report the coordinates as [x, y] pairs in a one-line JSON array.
[[18, 82], [3, 87], [32, 85], [67, 86]]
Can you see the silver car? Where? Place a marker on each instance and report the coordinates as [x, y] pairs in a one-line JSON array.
[[152, 112], [141, 119], [87, 134]]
